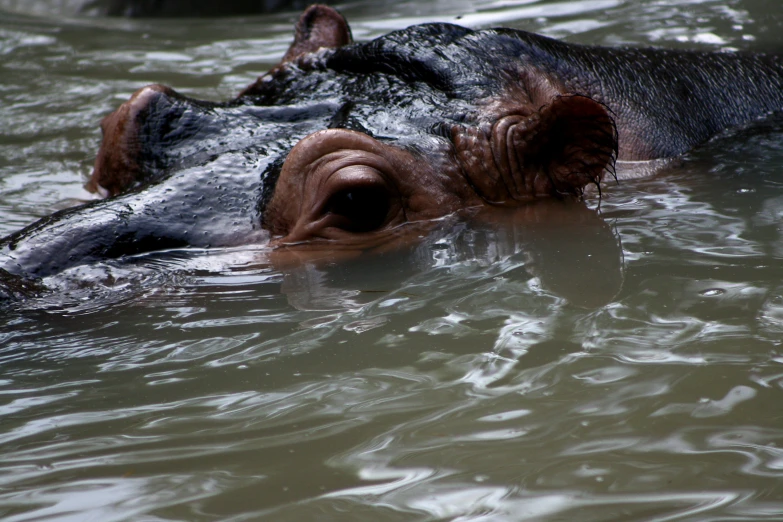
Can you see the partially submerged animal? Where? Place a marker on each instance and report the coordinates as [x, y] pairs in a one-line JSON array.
[[347, 144]]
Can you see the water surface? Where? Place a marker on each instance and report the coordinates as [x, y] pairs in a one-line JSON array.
[[619, 361]]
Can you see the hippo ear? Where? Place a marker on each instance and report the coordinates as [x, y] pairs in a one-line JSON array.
[[568, 144], [319, 26]]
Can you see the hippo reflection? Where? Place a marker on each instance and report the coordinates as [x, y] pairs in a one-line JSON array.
[[352, 145], [570, 250]]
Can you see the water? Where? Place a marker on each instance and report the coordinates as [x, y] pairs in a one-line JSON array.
[[586, 363]]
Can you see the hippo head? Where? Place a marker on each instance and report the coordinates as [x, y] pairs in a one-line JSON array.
[[345, 144]]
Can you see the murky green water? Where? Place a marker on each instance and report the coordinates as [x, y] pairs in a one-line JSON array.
[[621, 366]]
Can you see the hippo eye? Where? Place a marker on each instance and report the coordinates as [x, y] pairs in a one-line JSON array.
[[361, 208]]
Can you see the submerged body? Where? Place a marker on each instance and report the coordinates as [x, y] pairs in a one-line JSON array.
[[348, 143]]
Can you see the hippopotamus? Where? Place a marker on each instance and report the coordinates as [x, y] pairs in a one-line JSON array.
[[351, 145]]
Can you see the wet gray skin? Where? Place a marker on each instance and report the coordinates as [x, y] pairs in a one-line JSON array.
[[345, 145]]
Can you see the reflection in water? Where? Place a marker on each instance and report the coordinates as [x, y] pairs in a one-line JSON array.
[[572, 251]]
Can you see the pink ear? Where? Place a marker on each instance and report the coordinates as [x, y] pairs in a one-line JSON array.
[[319, 26], [557, 151], [577, 143]]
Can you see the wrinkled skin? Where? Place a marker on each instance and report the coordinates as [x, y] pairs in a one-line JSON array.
[[355, 145]]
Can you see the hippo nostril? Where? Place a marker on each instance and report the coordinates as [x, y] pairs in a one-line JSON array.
[[118, 165]]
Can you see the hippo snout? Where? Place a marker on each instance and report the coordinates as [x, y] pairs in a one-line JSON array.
[[82, 235]]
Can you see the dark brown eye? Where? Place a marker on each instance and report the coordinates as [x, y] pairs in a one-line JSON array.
[[361, 209]]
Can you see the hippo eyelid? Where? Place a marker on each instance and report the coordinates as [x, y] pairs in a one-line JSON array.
[[356, 179], [322, 176]]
